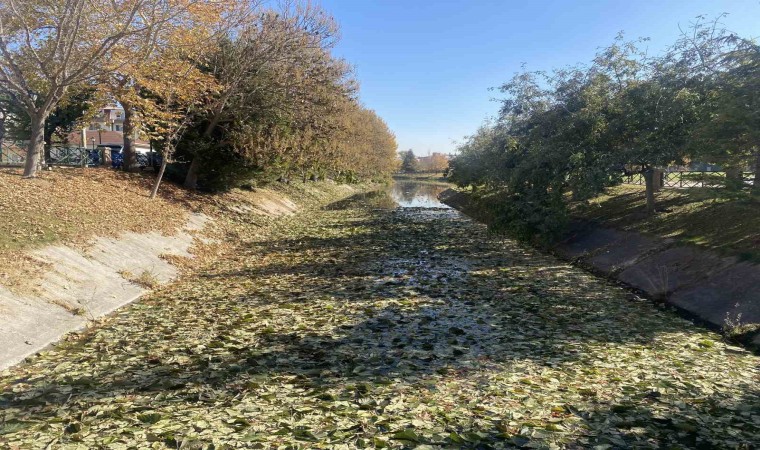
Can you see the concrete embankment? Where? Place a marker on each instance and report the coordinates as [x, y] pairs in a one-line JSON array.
[[721, 291], [79, 284]]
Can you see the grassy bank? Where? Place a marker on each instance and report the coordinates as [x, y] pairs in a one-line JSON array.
[[73, 206], [715, 219]]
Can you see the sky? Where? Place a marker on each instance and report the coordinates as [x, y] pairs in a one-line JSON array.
[[426, 66]]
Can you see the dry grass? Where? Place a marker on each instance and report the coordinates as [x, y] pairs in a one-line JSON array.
[[71, 206], [75, 310], [145, 279]]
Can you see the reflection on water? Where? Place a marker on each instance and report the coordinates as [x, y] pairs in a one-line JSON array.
[[410, 194]]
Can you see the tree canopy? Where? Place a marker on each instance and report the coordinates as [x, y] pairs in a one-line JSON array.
[[572, 132], [233, 92]]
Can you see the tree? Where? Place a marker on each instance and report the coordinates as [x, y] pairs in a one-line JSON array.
[[277, 66], [173, 87], [48, 47], [176, 89], [285, 107], [729, 133], [436, 162], [409, 162], [188, 24]]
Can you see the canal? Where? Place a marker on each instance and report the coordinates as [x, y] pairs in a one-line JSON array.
[[418, 194]]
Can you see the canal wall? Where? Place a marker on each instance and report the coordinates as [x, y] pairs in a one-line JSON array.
[[82, 283], [720, 291]]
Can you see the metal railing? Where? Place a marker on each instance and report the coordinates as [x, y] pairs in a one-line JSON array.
[[634, 178], [689, 179], [74, 156], [12, 154]]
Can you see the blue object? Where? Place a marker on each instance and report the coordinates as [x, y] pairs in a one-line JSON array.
[[93, 158], [117, 158]]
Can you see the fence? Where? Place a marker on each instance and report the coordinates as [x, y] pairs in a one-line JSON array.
[[12, 154], [689, 179], [74, 156]]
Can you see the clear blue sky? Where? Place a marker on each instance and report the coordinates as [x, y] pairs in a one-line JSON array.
[[425, 66]]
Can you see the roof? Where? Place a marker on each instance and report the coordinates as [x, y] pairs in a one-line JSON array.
[[103, 138]]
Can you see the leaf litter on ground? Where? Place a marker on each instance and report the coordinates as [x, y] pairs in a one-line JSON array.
[[353, 326]]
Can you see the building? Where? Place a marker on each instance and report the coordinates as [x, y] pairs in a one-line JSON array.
[[106, 129], [110, 118], [93, 139]]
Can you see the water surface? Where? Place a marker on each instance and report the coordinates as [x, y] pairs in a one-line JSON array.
[[412, 194]]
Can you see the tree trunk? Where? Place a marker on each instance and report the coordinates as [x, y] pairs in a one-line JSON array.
[[734, 179], [160, 176], [191, 179], [128, 129], [649, 178], [35, 147], [756, 183]]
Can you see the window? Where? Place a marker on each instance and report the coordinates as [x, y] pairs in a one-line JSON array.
[[117, 127]]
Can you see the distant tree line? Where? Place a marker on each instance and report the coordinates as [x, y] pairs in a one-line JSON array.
[[570, 133], [236, 90], [435, 162]]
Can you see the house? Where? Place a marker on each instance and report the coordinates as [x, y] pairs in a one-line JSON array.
[[110, 118], [106, 129]]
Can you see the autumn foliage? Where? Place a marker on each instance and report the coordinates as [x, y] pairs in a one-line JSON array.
[[228, 92]]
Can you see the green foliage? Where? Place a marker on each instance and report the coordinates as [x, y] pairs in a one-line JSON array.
[[572, 132], [409, 163], [287, 108]]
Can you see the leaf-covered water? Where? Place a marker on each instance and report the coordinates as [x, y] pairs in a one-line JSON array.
[[356, 326]]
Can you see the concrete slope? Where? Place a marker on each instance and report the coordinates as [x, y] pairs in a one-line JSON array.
[[81, 285], [716, 289]]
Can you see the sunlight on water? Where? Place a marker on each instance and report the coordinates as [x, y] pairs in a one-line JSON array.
[[410, 194]]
